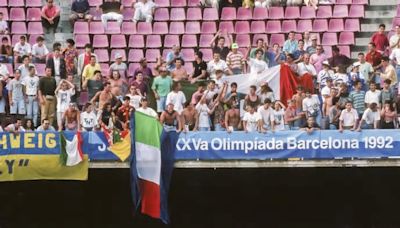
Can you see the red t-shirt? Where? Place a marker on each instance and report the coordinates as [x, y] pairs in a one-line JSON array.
[[86, 60], [374, 58], [381, 41]]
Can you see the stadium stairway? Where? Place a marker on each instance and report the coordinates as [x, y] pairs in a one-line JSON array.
[[377, 12]]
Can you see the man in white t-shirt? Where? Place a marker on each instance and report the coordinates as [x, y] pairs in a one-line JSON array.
[[311, 107], [251, 120], [20, 49], [31, 84], [204, 113], [64, 92], [394, 40], [324, 74], [144, 108], [88, 118], [3, 25], [348, 118], [326, 91], [217, 63], [365, 67], [267, 116], [39, 51], [144, 11], [370, 118], [306, 67], [4, 73], [176, 97], [372, 95], [257, 64], [25, 67]]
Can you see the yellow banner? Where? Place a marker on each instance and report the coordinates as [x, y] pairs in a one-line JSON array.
[[18, 167]]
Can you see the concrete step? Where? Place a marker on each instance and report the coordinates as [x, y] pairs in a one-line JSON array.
[[382, 2], [362, 41], [385, 14], [374, 26]]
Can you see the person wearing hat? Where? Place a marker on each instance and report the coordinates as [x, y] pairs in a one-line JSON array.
[[356, 75], [311, 48], [235, 60], [161, 87], [119, 65], [324, 74]]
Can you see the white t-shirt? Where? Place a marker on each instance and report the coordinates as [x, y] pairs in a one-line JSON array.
[[31, 85], [311, 105], [349, 118], [134, 100], [63, 99], [279, 117], [257, 66], [371, 117], [340, 78], [3, 70], [146, 8], [252, 120], [303, 68], [323, 75], [212, 66], [394, 40], [204, 117], [3, 26], [36, 50], [178, 99], [372, 97], [88, 120], [267, 115], [326, 91], [148, 111], [23, 49]]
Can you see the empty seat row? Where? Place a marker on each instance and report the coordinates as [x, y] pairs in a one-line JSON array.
[[18, 14], [20, 3], [21, 28]]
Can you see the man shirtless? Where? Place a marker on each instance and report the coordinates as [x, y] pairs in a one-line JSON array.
[[170, 119], [190, 118], [232, 117], [104, 96], [298, 97], [328, 102], [71, 118], [180, 72]]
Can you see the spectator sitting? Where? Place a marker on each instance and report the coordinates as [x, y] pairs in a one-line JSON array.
[[235, 60], [307, 40], [290, 61], [318, 58], [218, 44], [373, 56], [200, 68], [252, 121], [88, 118], [111, 10], [3, 25], [279, 114], [217, 63], [380, 39], [341, 77], [389, 72], [312, 47], [394, 40], [161, 87], [171, 56], [294, 2], [24, 67], [28, 125], [46, 126], [88, 71], [144, 69], [388, 116], [39, 51], [262, 3], [365, 68], [80, 10], [50, 15], [248, 4], [310, 125], [305, 67], [299, 53], [4, 73], [348, 118], [15, 127], [370, 119], [6, 55], [21, 48], [356, 75], [84, 59], [338, 58], [57, 65], [290, 45], [196, 96], [210, 3], [144, 11], [260, 45], [313, 3], [179, 73], [275, 56], [118, 65]]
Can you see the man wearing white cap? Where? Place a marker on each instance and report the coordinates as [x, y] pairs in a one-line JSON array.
[[235, 60], [118, 65]]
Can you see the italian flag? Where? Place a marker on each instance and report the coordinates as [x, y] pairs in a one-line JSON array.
[[71, 150]]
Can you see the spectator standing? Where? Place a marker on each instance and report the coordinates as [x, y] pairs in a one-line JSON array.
[[179, 73], [64, 91], [386, 92], [176, 97], [140, 84], [80, 10], [217, 64], [172, 56], [88, 71], [88, 118], [311, 106], [144, 11], [365, 67], [199, 68], [161, 87], [394, 40], [84, 59], [260, 45], [389, 72], [275, 56], [21, 48], [125, 110], [292, 117], [357, 98], [24, 67], [318, 58], [3, 25], [57, 66], [71, 118], [334, 113], [111, 10], [144, 69], [135, 97], [118, 65], [46, 126], [50, 15], [204, 114], [267, 116], [300, 52], [144, 108], [16, 95], [380, 39], [324, 74], [373, 56], [31, 84], [338, 58], [218, 44], [348, 118], [15, 127], [305, 67], [93, 85], [47, 87], [235, 60], [395, 57], [257, 64], [4, 73], [291, 44], [6, 55], [310, 126], [71, 54], [170, 119], [371, 118], [252, 120], [39, 51], [279, 116]]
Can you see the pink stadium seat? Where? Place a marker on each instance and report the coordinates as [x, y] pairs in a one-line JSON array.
[[210, 14], [96, 14], [276, 13], [345, 50], [113, 28], [136, 41], [127, 3], [205, 40], [16, 3], [257, 27], [83, 98], [188, 54], [329, 39], [178, 3], [105, 69], [352, 25], [192, 27], [81, 40], [307, 12], [356, 11], [360, 2], [340, 11], [41, 69], [161, 14], [17, 14], [242, 27], [346, 38], [273, 27], [165, 53], [228, 14], [328, 51], [260, 14], [5, 13], [289, 25], [304, 26], [100, 41], [336, 25], [208, 27], [244, 14], [144, 28], [193, 3], [152, 54], [35, 28], [120, 51], [176, 28], [128, 28], [33, 14], [162, 3], [18, 28], [292, 12], [118, 41], [94, 3], [160, 28], [259, 36], [189, 67], [277, 38], [177, 14], [171, 40], [324, 12], [207, 54], [3, 3], [298, 36], [189, 41], [153, 41], [243, 40], [344, 2], [226, 27], [128, 14], [96, 28], [15, 39], [81, 27], [135, 55], [33, 37], [194, 14], [102, 55], [320, 25], [131, 69]]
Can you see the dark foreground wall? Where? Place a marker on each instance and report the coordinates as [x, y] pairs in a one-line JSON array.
[[324, 197]]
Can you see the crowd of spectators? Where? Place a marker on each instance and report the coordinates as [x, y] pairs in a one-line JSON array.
[[343, 95]]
